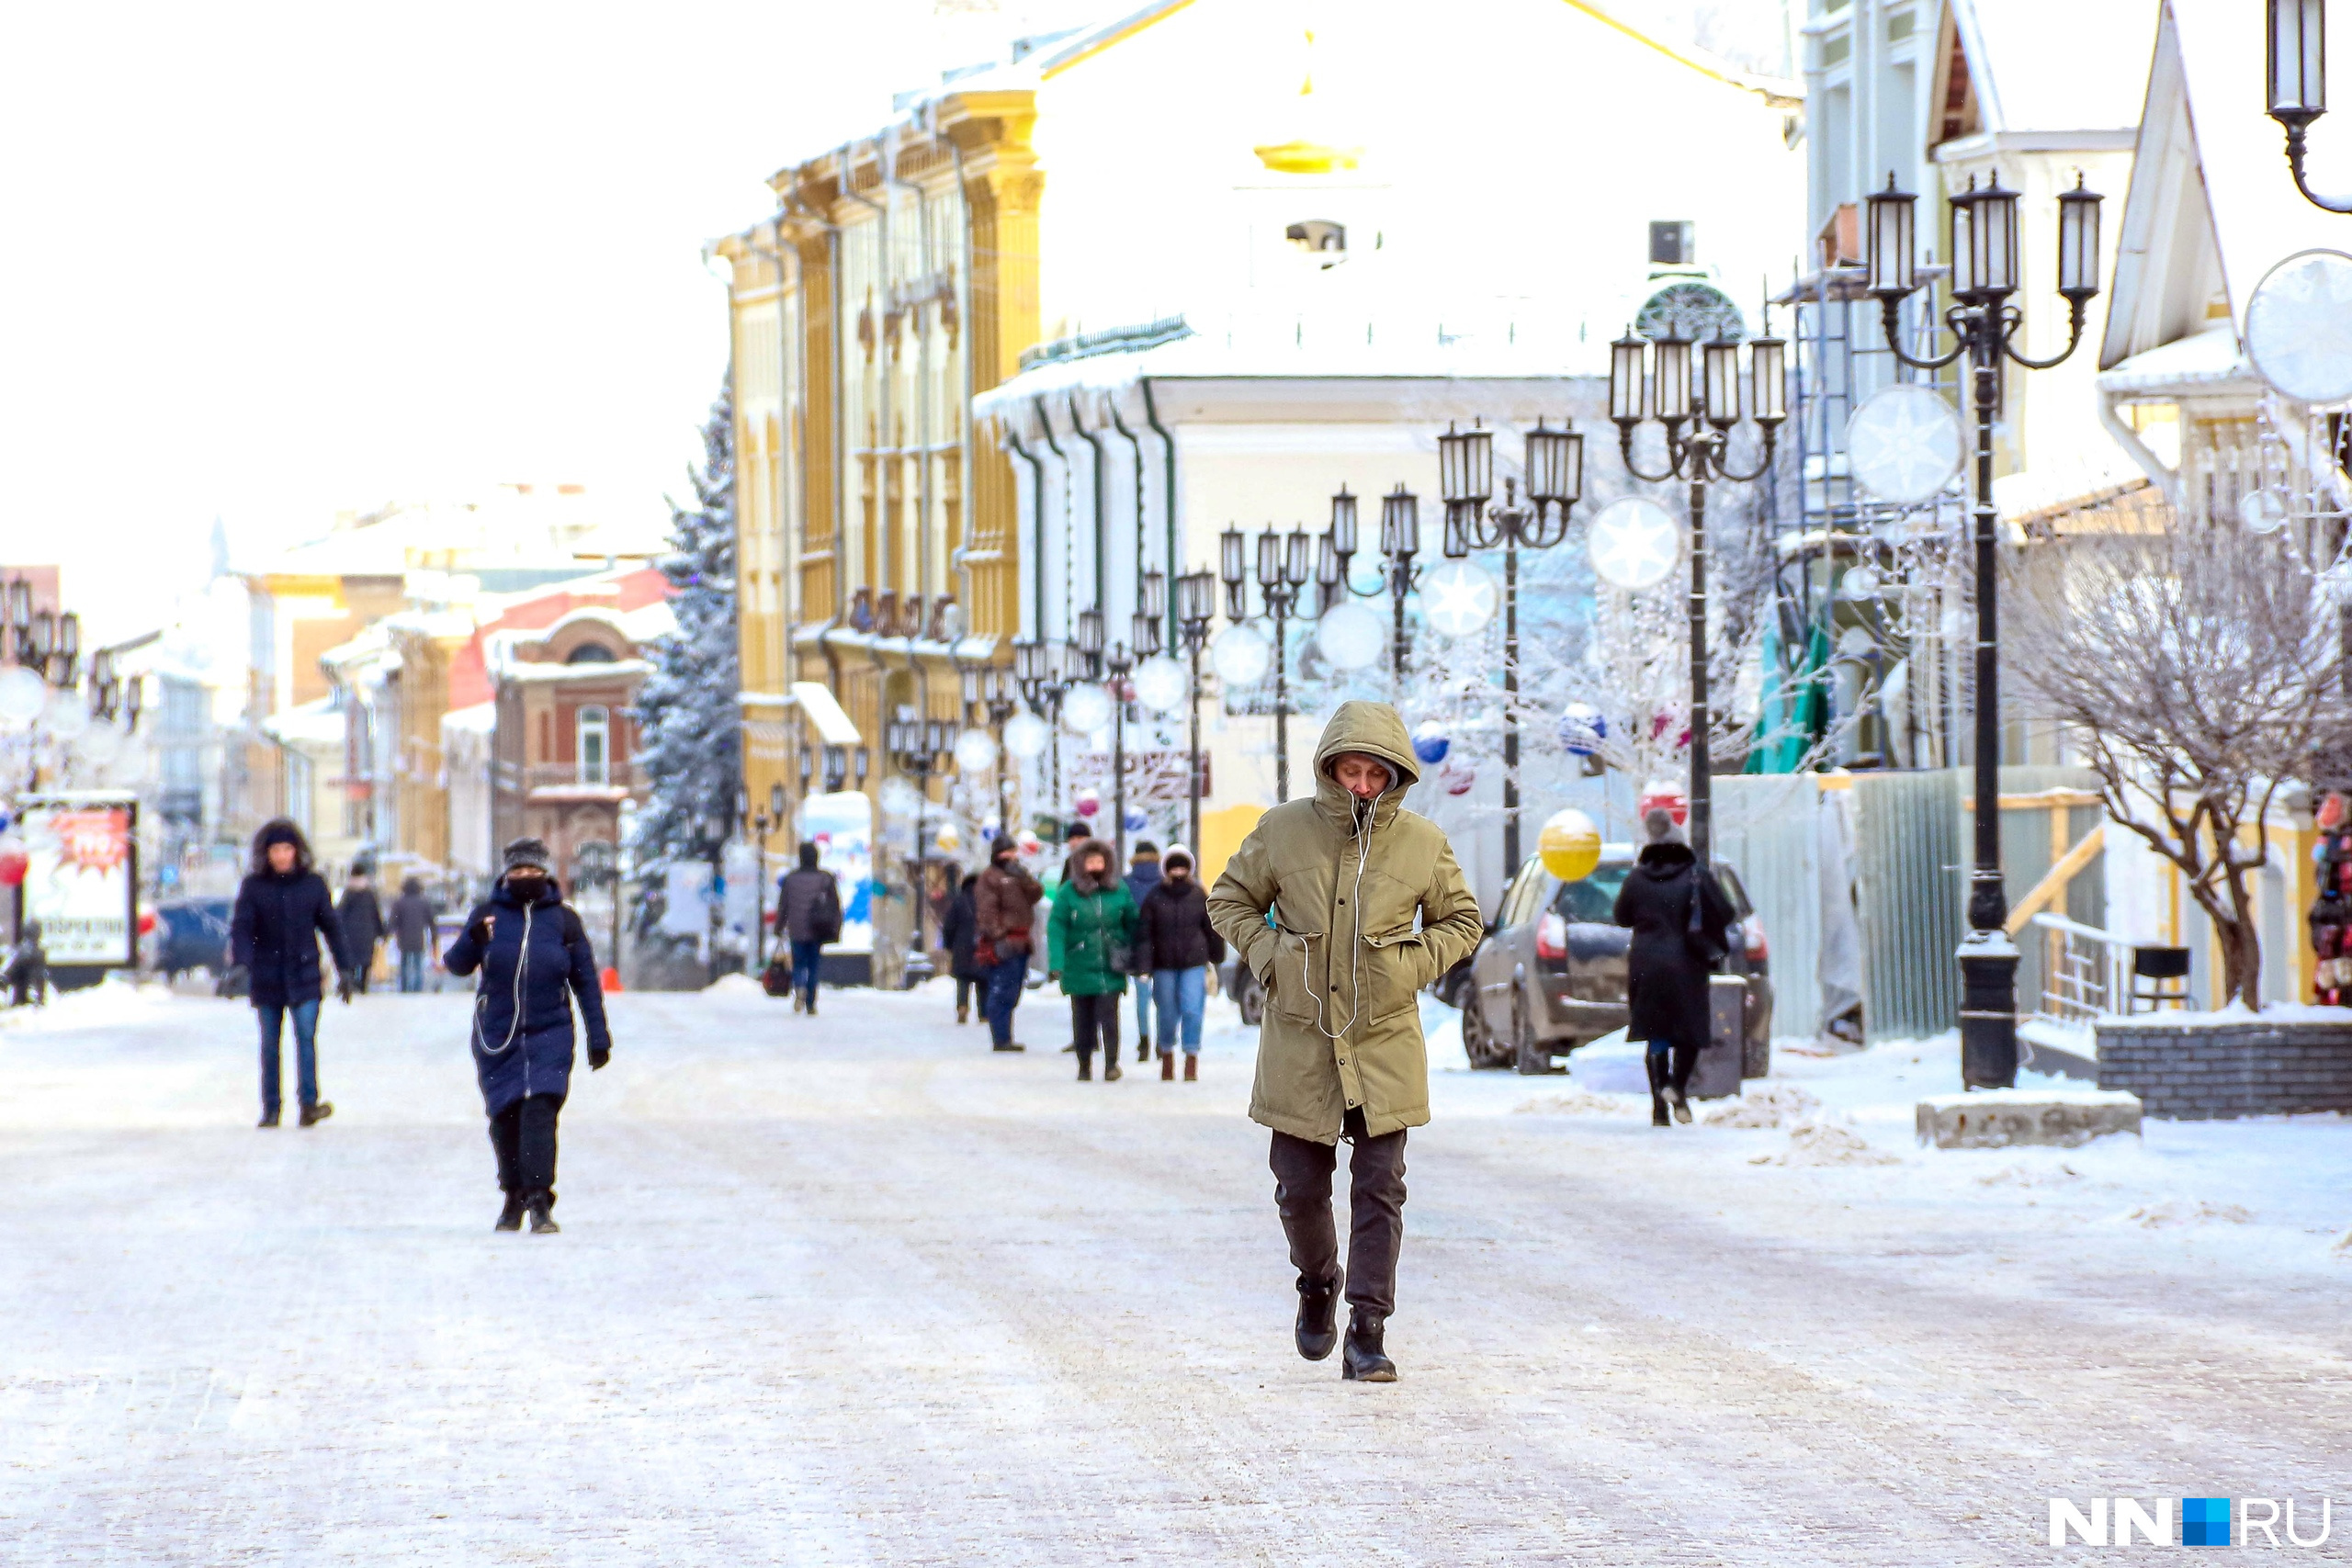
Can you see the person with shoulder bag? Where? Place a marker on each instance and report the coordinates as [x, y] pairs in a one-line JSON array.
[[1004, 903], [959, 934], [1091, 948], [1679, 918], [808, 910], [535, 962]]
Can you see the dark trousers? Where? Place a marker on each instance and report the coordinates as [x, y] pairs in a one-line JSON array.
[[1095, 1017], [965, 985], [1375, 1211], [1001, 994], [523, 1137], [306, 1053], [805, 956]]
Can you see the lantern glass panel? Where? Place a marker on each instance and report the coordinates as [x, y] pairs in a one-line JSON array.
[[1089, 633], [1146, 631], [1400, 523], [1964, 271], [1571, 466], [1719, 367], [1232, 556], [1768, 391], [1343, 522], [1327, 561], [1195, 596], [2298, 59], [1298, 559], [1457, 532], [1996, 239], [1547, 457], [971, 684], [69, 634], [1626, 403], [1671, 396], [1892, 249], [44, 633], [1270, 559], [2078, 242], [1154, 595]]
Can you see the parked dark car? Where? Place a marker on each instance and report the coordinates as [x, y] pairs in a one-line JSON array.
[[1550, 975], [192, 933]]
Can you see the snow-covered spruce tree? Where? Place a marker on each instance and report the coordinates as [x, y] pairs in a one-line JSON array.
[[687, 737]]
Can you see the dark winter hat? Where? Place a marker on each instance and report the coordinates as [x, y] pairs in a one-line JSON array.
[[1145, 849], [528, 851]]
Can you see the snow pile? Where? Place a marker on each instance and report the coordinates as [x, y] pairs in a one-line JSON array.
[[113, 1001], [736, 985], [1825, 1142], [1582, 1102], [2181, 1211], [2025, 1176], [1766, 1105]]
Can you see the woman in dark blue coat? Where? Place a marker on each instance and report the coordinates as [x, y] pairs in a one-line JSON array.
[[536, 960], [283, 910]]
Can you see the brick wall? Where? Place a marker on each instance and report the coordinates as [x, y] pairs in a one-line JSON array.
[[2209, 1070]]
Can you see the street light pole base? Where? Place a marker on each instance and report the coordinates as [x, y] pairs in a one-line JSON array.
[[1988, 1011]]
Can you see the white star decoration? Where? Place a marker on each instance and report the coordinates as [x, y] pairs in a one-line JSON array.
[[1633, 543], [2298, 327], [1459, 598], [1904, 444]]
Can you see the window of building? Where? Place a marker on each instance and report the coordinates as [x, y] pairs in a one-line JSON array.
[[1671, 245], [589, 653], [595, 734]]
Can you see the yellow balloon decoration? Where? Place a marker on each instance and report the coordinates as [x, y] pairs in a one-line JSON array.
[[1570, 845]]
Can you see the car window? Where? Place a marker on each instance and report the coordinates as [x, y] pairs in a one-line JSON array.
[[1592, 901], [1732, 891]]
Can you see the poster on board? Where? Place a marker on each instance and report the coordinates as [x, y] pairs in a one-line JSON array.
[[841, 827], [82, 876]]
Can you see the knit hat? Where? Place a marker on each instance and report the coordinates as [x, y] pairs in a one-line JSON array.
[[1658, 824], [528, 851]]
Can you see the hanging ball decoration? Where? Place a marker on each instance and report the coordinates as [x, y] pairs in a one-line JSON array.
[[12, 861], [1088, 803], [1027, 736], [1582, 730], [1086, 709], [67, 715], [1661, 794], [1457, 777], [1430, 742], [22, 696], [1027, 842], [947, 840], [1137, 821], [100, 744], [1570, 845], [1350, 637], [975, 751], [900, 798], [990, 830], [1242, 655], [1161, 684]]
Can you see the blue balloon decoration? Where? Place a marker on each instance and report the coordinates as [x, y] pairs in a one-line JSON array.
[[1582, 730], [1431, 743], [1137, 821]]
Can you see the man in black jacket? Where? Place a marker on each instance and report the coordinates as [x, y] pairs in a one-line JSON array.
[[283, 913], [412, 932], [808, 908], [363, 923]]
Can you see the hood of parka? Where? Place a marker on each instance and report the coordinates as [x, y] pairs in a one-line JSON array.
[[1374, 729]]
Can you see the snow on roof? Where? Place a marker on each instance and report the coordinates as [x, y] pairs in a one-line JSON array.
[[2076, 65], [2208, 358], [480, 718], [316, 723]]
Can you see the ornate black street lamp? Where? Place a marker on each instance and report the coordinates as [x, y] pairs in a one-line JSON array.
[[2296, 53], [1195, 608], [1401, 541], [1982, 323], [1465, 463], [1283, 570], [1042, 668], [1709, 409], [916, 746], [993, 689]]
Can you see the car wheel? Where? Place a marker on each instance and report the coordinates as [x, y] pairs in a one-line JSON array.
[[1529, 1054], [1478, 1042], [1251, 999]]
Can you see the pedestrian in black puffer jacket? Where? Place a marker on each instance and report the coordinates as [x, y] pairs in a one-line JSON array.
[[1176, 946], [283, 913], [535, 962], [1665, 983]]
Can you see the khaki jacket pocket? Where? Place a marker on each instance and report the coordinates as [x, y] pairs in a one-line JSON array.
[[1398, 965], [1290, 988]]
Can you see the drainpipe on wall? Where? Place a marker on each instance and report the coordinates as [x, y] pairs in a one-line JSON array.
[[1102, 563], [964, 394], [922, 375], [1046, 422], [1036, 522], [1167, 507], [881, 362], [1135, 443]]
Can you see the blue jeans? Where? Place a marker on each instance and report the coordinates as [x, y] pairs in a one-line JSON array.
[[1003, 994], [1145, 987], [804, 958], [1180, 994], [306, 1053], [411, 970]]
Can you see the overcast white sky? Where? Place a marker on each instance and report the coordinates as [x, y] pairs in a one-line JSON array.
[[265, 262]]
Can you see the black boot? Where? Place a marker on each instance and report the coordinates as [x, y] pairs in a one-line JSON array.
[[1318, 1317], [1085, 1067], [268, 1119], [510, 1216], [1678, 1079], [1364, 1360], [542, 1221], [314, 1114], [1655, 1065]]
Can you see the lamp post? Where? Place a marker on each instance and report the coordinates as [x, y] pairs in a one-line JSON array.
[[916, 746], [1710, 404], [2296, 55], [1982, 323], [1401, 541], [1555, 484], [1195, 607], [1042, 667], [1283, 570], [762, 824], [991, 688]]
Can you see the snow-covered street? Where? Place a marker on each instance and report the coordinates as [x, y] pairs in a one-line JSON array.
[[856, 1291]]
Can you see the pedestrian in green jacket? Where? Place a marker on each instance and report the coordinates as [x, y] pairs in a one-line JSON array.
[[1344, 906], [1091, 936]]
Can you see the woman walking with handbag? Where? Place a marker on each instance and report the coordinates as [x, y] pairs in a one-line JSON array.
[[1678, 917], [1004, 902], [1092, 933]]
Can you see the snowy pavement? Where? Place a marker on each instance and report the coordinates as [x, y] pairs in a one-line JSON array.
[[854, 1291]]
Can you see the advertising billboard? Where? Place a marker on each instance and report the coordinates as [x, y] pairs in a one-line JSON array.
[[82, 876]]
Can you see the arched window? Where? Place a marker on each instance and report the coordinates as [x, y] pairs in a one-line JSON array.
[[589, 653], [595, 734]]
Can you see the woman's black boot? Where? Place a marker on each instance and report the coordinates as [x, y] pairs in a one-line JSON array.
[[510, 1217], [1085, 1067], [542, 1221], [1655, 1063], [1365, 1358], [1685, 1058]]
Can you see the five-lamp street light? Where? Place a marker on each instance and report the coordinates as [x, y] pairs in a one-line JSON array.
[[1555, 470], [1983, 323], [916, 745], [1706, 400], [1401, 541], [995, 689], [1284, 568]]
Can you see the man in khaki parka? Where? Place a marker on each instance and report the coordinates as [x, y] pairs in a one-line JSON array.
[[1344, 906]]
